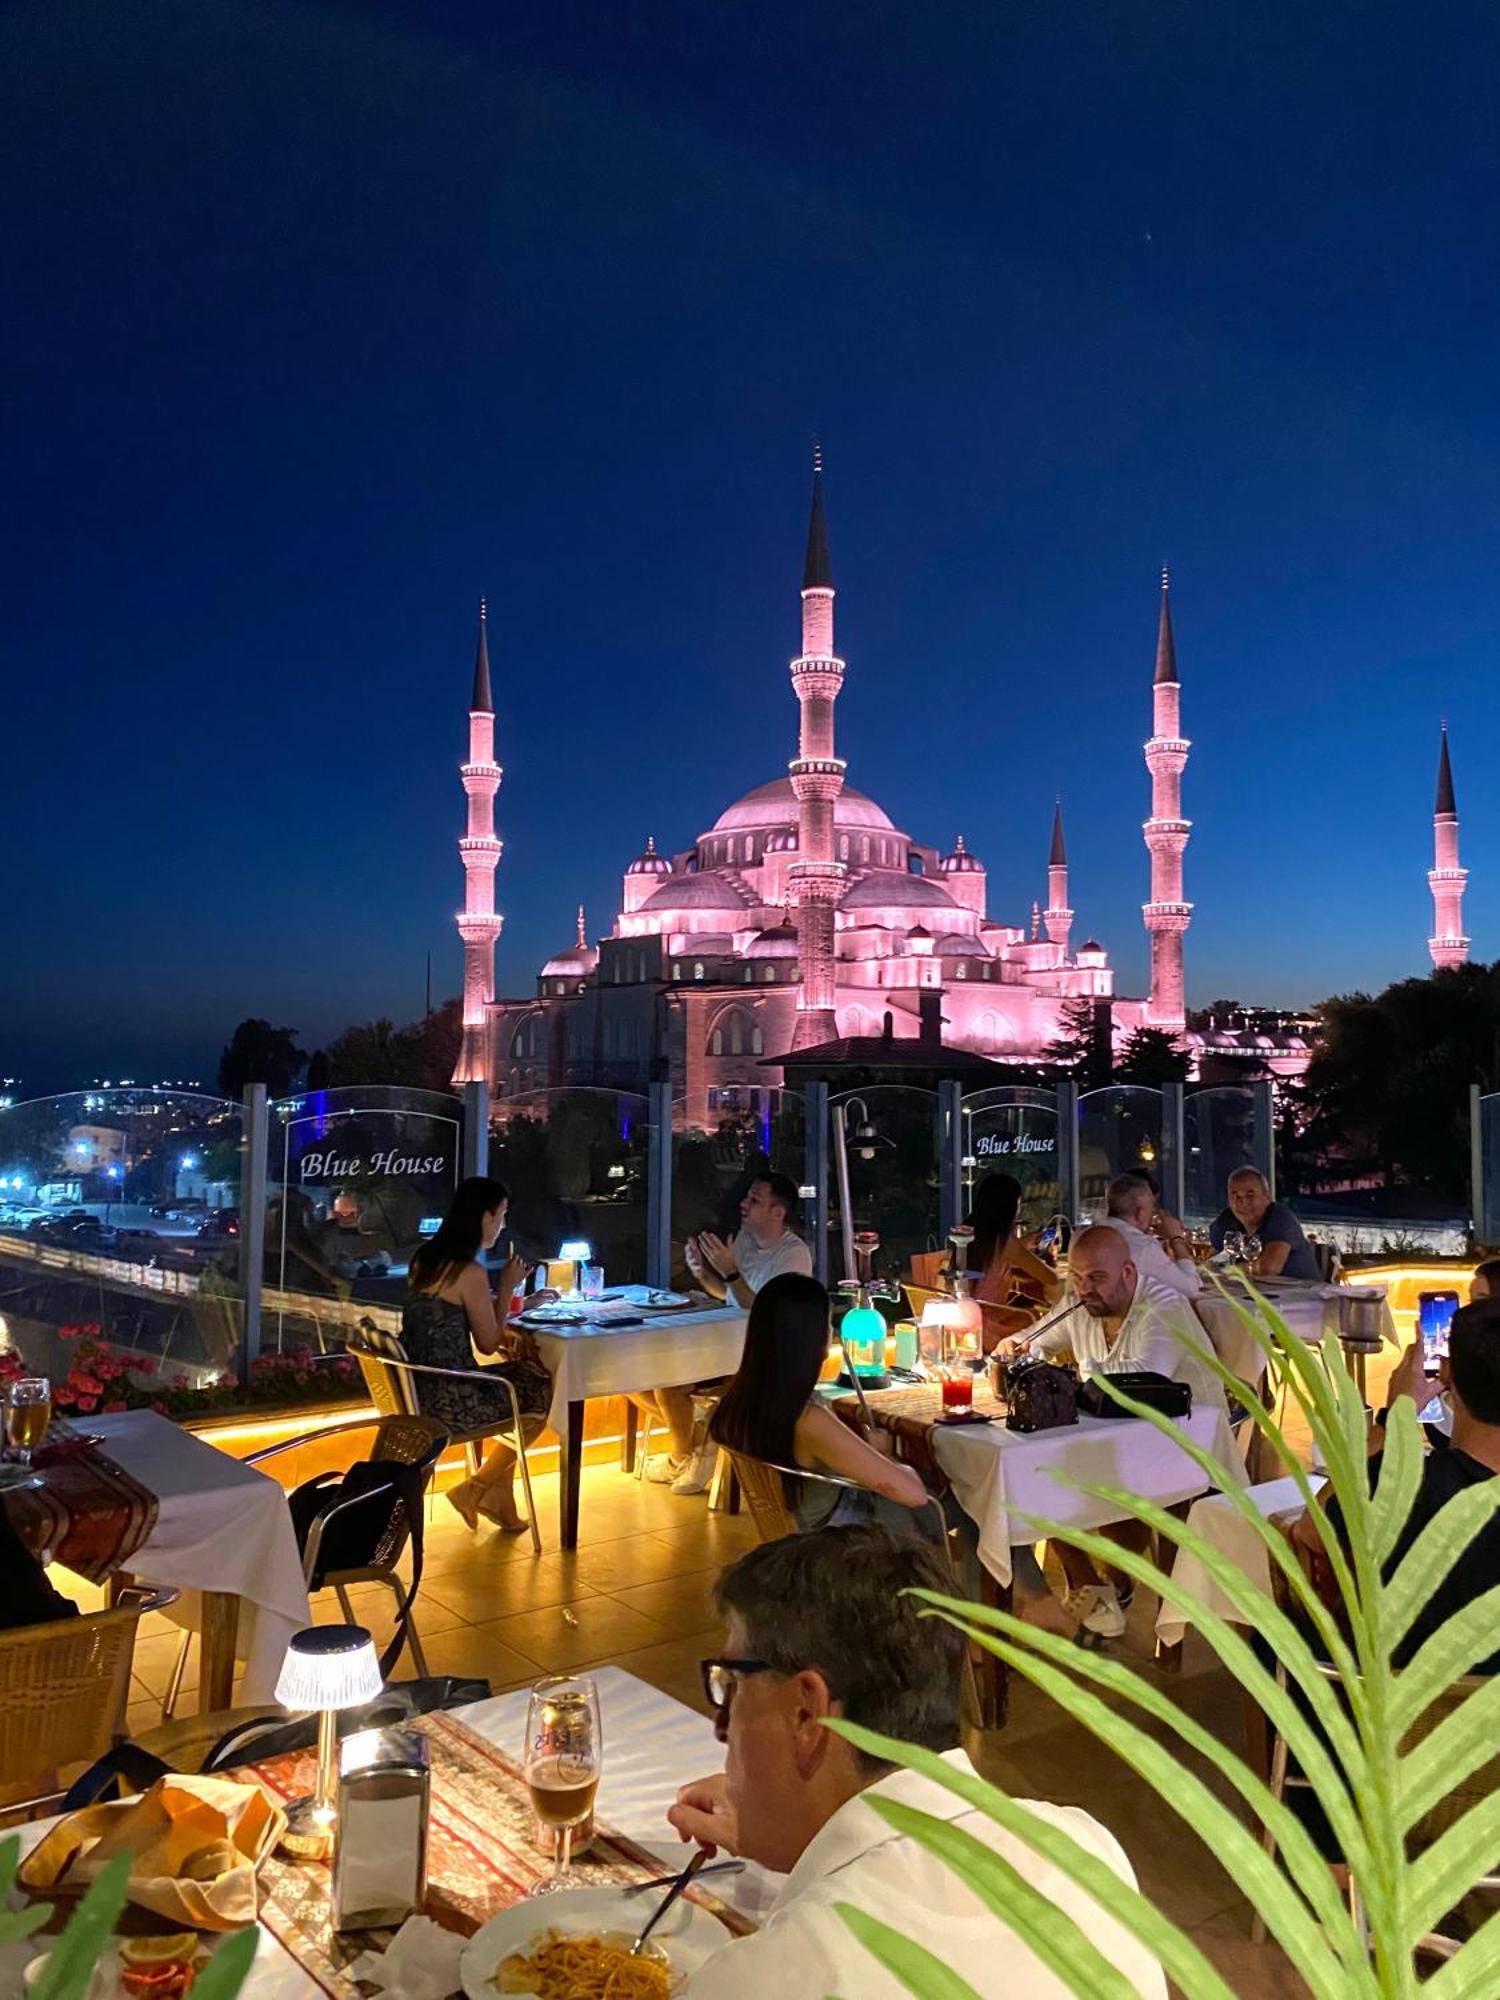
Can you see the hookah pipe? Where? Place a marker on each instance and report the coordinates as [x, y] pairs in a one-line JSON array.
[[861, 1292]]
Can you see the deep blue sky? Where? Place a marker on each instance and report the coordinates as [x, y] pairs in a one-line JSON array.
[[319, 321]]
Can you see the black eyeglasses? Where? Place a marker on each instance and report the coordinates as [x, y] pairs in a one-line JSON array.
[[720, 1677]]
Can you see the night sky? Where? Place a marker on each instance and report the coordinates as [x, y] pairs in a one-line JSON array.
[[318, 322]]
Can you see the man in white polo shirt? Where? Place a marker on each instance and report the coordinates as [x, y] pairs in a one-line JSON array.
[[819, 1626], [765, 1246], [1160, 1247]]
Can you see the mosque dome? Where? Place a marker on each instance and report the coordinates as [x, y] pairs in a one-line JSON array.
[[778, 942], [577, 962], [957, 945], [650, 863], [884, 888], [770, 807], [961, 861], [705, 891]]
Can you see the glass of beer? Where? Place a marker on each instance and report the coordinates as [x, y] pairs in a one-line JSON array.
[[564, 1755], [28, 1411]]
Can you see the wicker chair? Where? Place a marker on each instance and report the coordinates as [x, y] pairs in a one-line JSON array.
[[388, 1377], [763, 1484], [402, 1440], [63, 1693]]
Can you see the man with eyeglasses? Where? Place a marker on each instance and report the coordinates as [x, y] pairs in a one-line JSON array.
[[817, 1627]]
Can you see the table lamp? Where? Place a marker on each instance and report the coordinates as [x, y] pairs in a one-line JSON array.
[[327, 1667], [578, 1251], [941, 1319]]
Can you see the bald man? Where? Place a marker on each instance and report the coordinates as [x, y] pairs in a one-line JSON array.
[[1122, 1322]]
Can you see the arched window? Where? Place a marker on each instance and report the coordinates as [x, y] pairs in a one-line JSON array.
[[864, 847], [676, 971], [749, 848], [716, 1042], [757, 1042], [769, 974], [960, 971], [749, 974], [697, 968], [736, 1035], [843, 847]]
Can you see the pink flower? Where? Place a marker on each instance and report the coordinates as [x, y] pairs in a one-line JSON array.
[[147, 1367], [87, 1403], [111, 1409], [180, 1382], [229, 1380], [91, 1385], [160, 1407]]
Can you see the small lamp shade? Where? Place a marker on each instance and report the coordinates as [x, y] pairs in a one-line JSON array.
[[327, 1667], [576, 1250]]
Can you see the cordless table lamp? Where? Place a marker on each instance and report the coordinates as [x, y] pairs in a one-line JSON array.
[[327, 1667]]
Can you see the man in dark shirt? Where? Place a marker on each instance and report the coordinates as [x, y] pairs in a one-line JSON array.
[[1471, 1376], [1284, 1251]]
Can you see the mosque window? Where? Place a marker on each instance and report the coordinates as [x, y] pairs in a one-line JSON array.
[[843, 847], [757, 1042], [676, 971], [864, 847], [697, 968], [914, 864], [960, 971], [749, 848], [716, 1042], [769, 974], [736, 1035]]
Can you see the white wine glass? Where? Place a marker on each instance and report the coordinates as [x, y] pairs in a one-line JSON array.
[[28, 1412], [564, 1756]]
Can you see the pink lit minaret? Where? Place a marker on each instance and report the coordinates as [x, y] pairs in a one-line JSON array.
[[478, 924], [1059, 917], [1167, 915], [816, 878], [1448, 945]]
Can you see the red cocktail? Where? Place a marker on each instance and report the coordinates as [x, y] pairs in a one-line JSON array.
[[958, 1389]]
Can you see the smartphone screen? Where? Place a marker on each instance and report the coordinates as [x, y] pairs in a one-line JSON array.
[[1435, 1312]]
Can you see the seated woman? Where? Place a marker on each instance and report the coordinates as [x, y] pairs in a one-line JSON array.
[[1003, 1271], [450, 1312], [767, 1412]]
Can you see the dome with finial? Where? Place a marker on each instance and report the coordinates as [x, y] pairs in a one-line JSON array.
[[961, 861], [650, 863], [578, 961], [780, 941]]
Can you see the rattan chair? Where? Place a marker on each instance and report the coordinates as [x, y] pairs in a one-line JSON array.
[[763, 1484], [64, 1687], [402, 1440], [384, 1362]]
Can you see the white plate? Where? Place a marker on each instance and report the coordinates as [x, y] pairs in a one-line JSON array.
[[687, 1933]]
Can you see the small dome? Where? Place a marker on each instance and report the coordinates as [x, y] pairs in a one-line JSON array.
[[956, 945], [707, 890], [574, 964], [961, 861], [649, 863], [883, 888], [778, 942]]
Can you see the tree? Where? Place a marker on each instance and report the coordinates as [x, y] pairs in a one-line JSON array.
[[259, 1053], [421, 1056], [1083, 1049], [1151, 1056]]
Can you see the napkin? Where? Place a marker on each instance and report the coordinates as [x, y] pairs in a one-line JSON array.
[[420, 1963], [195, 1844]]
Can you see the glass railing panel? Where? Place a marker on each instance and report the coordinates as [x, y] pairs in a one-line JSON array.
[[1119, 1131], [1013, 1130], [746, 1130], [1221, 1131], [893, 1174], [576, 1163]]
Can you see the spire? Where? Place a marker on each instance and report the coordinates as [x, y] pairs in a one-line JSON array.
[[817, 573], [1446, 803], [1166, 652], [583, 941], [1058, 857], [483, 702]]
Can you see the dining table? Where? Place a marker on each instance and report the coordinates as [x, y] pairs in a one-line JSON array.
[[481, 1857], [625, 1341], [216, 1530], [1358, 1316]]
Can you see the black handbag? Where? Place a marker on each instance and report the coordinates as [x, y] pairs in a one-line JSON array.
[[1143, 1385], [1039, 1395]]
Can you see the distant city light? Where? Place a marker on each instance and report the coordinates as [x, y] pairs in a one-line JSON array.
[[189, 1160]]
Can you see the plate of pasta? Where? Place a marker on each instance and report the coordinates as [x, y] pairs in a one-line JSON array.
[[576, 1946]]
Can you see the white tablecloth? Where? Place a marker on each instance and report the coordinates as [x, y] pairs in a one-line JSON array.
[[221, 1526], [666, 1350], [1217, 1522], [1310, 1311], [995, 1470], [652, 1745]]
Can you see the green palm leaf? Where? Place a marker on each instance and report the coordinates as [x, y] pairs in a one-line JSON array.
[[918, 1970]]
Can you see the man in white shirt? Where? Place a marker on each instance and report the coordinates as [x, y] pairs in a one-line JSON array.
[[1160, 1248], [1122, 1323], [817, 1627], [765, 1246]]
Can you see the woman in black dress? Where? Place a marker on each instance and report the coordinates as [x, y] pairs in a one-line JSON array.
[[450, 1312]]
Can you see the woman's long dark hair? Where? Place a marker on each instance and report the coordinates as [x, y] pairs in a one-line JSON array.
[[786, 1343], [457, 1241], [997, 1203]]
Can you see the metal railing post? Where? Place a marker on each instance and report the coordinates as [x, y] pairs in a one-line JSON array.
[[1263, 1094], [476, 1130], [256, 1137], [950, 1155], [659, 1184], [1068, 1196], [1479, 1225], [1173, 1148], [816, 1166]]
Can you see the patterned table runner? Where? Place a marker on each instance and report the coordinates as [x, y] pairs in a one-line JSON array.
[[480, 1857], [913, 1414], [89, 1513]]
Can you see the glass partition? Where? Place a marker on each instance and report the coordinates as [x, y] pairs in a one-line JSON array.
[[1119, 1131], [575, 1162], [119, 1242], [749, 1129], [1221, 1131], [893, 1174], [1487, 1220], [1013, 1130]]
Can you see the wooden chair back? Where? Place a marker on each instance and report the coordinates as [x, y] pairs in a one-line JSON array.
[[389, 1389]]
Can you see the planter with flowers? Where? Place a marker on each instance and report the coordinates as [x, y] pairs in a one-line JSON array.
[[101, 1381]]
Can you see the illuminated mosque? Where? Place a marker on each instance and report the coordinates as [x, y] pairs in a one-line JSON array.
[[806, 914]]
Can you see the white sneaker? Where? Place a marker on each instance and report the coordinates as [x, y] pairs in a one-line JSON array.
[[1104, 1618], [697, 1475], [662, 1469]]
